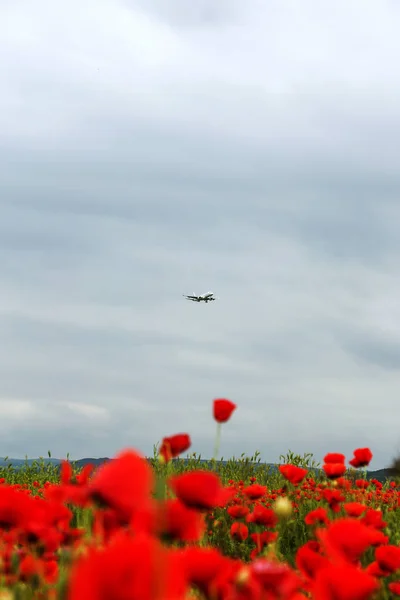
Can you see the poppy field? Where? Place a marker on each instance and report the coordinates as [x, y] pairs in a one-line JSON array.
[[174, 529]]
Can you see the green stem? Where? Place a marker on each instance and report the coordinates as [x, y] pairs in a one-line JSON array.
[[217, 444]]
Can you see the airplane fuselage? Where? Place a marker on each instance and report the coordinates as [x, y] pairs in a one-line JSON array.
[[201, 298]]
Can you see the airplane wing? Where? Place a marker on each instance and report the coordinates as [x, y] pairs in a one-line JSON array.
[[190, 297]]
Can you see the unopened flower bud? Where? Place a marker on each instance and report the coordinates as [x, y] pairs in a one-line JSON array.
[[242, 577], [283, 507]]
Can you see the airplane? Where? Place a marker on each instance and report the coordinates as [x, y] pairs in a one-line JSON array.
[[209, 297]]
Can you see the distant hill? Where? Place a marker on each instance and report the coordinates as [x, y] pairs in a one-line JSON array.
[[17, 463], [20, 462], [380, 475]]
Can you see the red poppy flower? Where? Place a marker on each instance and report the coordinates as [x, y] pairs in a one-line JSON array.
[[309, 560], [123, 484], [334, 457], [276, 577], [172, 446], [373, 518], [203, 565], [262, 516], [334, 470], [343, 582], [15, 508], [293, 473], [239, 531], [388, 558], [318, 515], [51, 571], [66, 472], [255, 491], [83, 477], [375, 570], [238, 511], [223, 409], [30, 567], [263, 539], [347, 539], [334, 499], [394, 587], [362, 458], [200, 489], [354, 509], [140, 568], [175, 521]]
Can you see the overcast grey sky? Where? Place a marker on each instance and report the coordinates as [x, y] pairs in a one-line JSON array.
[[150, 149]]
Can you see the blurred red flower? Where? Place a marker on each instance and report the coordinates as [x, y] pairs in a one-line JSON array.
[[347, 539], [362, 458], [140, 568], [123, 484], [334, 470], [239, 531], [334, 457], [343, 582], [172, 446], [262, 515], [293, 473], [255, 491], [200, 489], [223, 410], [388, 558]]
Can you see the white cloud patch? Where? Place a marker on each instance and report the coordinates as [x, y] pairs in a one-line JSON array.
[[88, 411], [12, 409]]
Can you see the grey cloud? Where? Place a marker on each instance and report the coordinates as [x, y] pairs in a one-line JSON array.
[[175, 156], [380, 350], [342, 226], [181, 14]]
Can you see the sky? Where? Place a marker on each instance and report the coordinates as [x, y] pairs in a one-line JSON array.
[[150, 149]]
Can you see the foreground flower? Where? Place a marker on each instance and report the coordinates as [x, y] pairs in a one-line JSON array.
[[347, 539], [343, 582], [129, 569], [123, 484], [388, 558], [175, 521], [276, 577], [309, 559]]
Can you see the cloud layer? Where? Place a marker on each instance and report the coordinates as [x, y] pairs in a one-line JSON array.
[[151, 149]]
